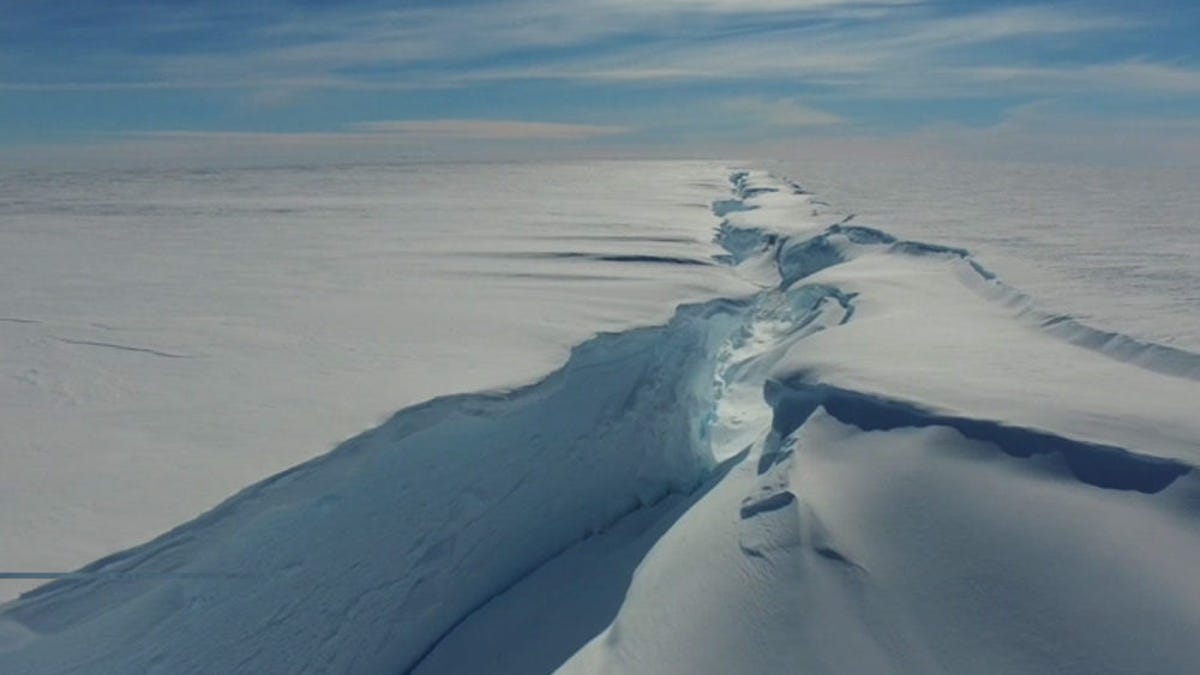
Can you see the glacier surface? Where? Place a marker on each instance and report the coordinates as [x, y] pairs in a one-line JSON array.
[[169, 338], [872, 455]]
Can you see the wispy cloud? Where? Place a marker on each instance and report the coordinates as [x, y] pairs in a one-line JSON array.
[[493, 130], [839, 44], [1005, 23], [364, 45], [595, 67], [913, 55], [780, 113], [1129, 75], [368, 43], [402, 131]]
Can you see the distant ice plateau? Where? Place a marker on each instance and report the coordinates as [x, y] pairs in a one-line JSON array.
[[864, 454]]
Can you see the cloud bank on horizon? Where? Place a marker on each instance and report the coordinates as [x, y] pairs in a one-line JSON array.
[[96, 80]]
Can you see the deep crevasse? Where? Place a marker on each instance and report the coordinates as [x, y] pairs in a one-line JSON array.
[[416, 544]]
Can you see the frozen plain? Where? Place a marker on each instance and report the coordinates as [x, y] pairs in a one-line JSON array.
[[847, 453], [1116, 246], [169, 338]]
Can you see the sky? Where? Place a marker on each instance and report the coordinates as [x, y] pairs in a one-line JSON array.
[[113, 81]]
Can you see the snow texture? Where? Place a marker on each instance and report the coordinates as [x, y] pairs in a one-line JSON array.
[[169, 338]]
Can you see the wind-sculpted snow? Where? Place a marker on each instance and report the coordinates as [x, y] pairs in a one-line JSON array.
[[941, 486], [881, 461], [1094, 464]]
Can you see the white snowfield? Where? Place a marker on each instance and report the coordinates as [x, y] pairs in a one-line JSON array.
[[864, 456], [167, 339]]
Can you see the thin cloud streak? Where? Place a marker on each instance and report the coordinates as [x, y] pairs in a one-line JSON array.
[[424, 38], [780, 113], [414, 49], [403, 131], [680, 70], [494, 130], [1135, 75]]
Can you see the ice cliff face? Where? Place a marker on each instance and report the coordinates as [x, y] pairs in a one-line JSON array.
[[884, 460]]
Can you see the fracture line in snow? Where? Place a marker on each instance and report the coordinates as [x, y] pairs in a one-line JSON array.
[[797, 259], [125, 348], [657, 390]]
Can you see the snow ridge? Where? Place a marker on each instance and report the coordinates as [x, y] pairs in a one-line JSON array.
[[934, 487], [1094, 464]]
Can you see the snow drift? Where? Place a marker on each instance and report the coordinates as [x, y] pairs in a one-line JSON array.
[[884, 460]]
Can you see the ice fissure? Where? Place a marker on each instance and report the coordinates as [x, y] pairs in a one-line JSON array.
[[375, 556]]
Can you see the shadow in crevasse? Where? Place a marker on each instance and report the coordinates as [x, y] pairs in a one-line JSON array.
[[535, 625]]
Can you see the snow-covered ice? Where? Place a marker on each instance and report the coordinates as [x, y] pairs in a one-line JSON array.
[[843, 452], [1113, 245], [169, 338]]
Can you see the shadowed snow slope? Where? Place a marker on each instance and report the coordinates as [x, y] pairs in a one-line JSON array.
[[884, 460]]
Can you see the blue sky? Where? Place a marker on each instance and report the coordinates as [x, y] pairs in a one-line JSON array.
[[95, 80]]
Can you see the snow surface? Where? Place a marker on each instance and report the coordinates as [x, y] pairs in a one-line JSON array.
[[1115, 246], [167, 338], [874, 456]]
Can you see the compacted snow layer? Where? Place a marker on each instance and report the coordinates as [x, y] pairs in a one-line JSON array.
[[881, 460]]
